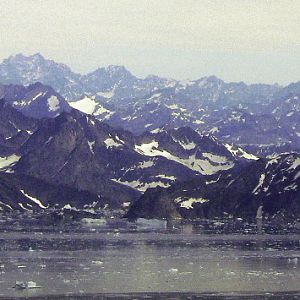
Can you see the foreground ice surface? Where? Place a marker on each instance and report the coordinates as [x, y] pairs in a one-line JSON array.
[[117, 257]]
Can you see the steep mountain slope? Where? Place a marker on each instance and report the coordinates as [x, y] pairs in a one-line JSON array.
[[287, 111], [81, 151], [15, 129], [65, 151], [272, 183], [27, 193], [75, 150]]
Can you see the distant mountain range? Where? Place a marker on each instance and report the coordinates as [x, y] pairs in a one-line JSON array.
[[259, 117], [167, 148]]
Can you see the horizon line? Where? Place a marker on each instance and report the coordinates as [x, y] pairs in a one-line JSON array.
[[144, 77]]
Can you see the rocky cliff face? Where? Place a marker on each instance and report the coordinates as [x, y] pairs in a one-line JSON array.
[[76, 151], [272, 183]]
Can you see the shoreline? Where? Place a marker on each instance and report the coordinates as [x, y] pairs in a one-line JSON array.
[[166, 296]]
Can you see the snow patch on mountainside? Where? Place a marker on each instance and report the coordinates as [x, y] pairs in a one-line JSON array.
[[259, 185], [215, 158], [5, 205], [202, 166], [90, 106], [240, 152], [110, 143], [175, 107], [41, 94], [86, 105], [188, 204], [186, 145], [142, 186], [146, 164], [163, 176], [149, 149], [35, 200], [106, 95], [91, 146], [102, 110], [8, 161], [53, 103], [295, 164], [23, 207]]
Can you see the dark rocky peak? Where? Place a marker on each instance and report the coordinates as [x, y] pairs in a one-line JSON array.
[[11, 115], [80, 128], [185, 133], [15, 129], [12, 91], [36, 100], [186, 136], [36, 88]]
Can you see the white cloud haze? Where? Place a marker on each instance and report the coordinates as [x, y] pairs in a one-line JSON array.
[[255, 41]]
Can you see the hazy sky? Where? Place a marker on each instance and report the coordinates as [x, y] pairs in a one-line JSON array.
[[254, 41]]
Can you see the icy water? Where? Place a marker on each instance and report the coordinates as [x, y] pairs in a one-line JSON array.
[[115, 259]]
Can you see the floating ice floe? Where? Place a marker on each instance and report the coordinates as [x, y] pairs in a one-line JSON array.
[[22, 285], [97, 262], [173, 270], [151, 223], [92, 221]]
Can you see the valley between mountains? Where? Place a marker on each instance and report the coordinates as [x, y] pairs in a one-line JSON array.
[[153, 148]]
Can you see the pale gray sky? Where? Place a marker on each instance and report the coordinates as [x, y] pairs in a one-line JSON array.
[[250, 40]]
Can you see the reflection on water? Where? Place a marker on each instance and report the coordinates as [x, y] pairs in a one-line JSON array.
[[114, 256]]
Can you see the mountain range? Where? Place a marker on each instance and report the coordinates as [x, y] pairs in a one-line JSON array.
[[78, 151], [261, 118], [166, 148]]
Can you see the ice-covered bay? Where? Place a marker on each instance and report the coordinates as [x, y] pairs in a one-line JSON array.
[[116, 257]]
